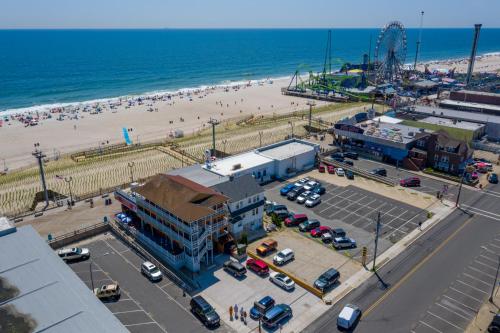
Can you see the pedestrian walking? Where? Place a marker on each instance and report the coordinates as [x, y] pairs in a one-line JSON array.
[[245, 317], [420, 226], [231, 313], [241, 313], [236, 311]]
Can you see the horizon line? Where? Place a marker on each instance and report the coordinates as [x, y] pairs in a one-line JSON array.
[[224, 28]]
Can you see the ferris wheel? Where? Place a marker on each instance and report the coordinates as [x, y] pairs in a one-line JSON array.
[[390, 52]]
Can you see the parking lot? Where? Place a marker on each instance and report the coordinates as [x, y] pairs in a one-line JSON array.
[[355, 210], [143, 306], [460, 302], [223, 290]]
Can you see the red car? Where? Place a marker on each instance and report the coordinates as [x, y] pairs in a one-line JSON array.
[[331, 169], [295, 220], [321, 168], [320, 231], [410, 182], [258, 266]]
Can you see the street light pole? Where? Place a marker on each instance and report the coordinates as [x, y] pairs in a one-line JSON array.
[[495, 283], [39, 157], [376, 241], [131, 166], [68, 180], [460, 187]]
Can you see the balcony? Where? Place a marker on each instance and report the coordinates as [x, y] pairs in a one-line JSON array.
[[176, 260]]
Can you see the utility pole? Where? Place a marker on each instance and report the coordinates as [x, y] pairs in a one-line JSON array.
[[460, 187], [39, 155], [131, 166], [260, 138], [477, 29], [224, 142], [311, 104], [495, 283], [213, 122], [377, 231], [68, 180], [419, 40], [291, 125]]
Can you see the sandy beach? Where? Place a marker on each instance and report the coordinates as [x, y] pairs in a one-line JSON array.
[[488, 63], [146, 119]]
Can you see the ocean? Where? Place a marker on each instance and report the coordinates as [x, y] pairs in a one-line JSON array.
[[53, 67]]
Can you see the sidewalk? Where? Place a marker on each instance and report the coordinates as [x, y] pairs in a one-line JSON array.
[[485, 315]]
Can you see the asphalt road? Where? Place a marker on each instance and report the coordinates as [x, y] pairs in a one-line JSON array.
[[426, 272]]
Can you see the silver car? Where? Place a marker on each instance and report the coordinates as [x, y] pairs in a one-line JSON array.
[[303, 197], [282, 280], [313, 200]]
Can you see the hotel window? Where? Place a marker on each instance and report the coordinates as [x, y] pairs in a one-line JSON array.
[[249, 200]]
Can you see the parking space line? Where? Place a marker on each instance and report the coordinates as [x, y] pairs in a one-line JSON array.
[[409, 221], [129, 311], [491, 244], [475, 278], [480, 271], [488, 258], [362, 206], [89, 281], [86, 271], [471, 297], [471, 286], [446, 321], [431, 327], [460, 303], [145, 323], [167, 284], [482, 263], [403, 213], [458, 314]]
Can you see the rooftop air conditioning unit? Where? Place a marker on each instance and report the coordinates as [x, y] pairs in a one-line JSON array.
[[236, 166]]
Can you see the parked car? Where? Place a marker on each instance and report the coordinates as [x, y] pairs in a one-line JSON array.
[[319, 190], [303, 197], [348, 317], [321, 168], [277, 314], [234, 268], [293, 194], [340, 243], [338, 159], [150, 270], [284, 190], [309, 225], [108, 291], [258, 266], [282, 280], [74, 253], [331, 169], [340, 172], [352, 155], [274, 207], [327, 237], [261, 307], [204, 311], [282, 214], [410, 182], [295, 220], [338, 232], [493, 178], [283, 256], [327, 279], [338, 155], [349, 162], [349, 174], [266, 247], [313, 200], [320, 231], [311, 185], [379, 172], [302, 181], [494, 326]]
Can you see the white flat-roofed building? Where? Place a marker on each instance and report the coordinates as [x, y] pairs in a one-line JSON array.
[[280, 160]]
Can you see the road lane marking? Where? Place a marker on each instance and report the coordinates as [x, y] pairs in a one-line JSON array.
[[129, 311], [416, 268], [455, 313], [431, 327], [446, 321], [471, 286], [471, 297]]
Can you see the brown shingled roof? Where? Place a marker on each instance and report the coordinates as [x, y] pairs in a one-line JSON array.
[[180, 196]]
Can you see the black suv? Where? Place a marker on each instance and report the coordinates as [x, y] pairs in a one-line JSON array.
[[235, 268], [379, 171], [352, 155], [327, 279], [204, 311], [338, 232], [293, 194]]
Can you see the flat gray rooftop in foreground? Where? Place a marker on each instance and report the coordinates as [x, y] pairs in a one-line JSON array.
[[198, 174], [464, 115], [286, 150], [48, 291], [466, 125]]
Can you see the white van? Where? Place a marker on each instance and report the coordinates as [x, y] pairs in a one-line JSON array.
[[348, 316]]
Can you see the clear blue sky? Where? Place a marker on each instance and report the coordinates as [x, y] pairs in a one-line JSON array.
[[244, 14]]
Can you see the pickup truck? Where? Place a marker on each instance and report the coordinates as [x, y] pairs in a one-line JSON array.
[[266, 247]]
